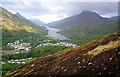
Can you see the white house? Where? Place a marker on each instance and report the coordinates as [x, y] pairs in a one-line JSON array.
[[20, 47]]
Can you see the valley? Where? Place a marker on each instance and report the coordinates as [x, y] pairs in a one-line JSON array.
[[82, 44], [14, 28], [85, 27]]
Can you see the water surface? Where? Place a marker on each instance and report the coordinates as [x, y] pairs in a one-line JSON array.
[[53, 32]]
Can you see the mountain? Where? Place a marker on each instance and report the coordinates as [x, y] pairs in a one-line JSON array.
[[34, 22], [115, 18], [37, 22], [86, 26], [15, 22], [84, 18], [15, 27], [96, 58], [20, 16]]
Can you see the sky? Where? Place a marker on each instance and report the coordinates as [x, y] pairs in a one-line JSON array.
[[53, 10]]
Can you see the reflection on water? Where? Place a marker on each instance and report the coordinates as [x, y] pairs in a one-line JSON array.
[[53, 33]]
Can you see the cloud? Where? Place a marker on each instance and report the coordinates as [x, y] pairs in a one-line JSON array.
[[99, 7], [61, 0], [48, 18], [59, 9]]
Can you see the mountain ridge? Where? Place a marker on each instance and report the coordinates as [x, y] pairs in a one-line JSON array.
[[37, 22], [20, 16], [84, 17], [34, 22]]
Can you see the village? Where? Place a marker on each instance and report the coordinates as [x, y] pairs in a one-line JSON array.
[[17, 61], [26, 47], [20, 47], [57, 44]]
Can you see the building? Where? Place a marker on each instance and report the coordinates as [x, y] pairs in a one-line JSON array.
[[20, 47]]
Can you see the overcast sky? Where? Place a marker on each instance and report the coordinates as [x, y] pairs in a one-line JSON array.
[[51, 10]]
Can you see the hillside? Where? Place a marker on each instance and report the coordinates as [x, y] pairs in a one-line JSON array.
[[38, 22], [16, 27], [20, 16], [99, 57], [85, 26], [34, 22], [84, 18]]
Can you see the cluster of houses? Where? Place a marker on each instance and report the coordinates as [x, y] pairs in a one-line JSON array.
[[57, 44], [17, 61], [20, 47], [26, 47]]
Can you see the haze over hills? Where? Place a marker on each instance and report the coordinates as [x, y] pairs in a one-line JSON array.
[[86, 26], [97, 58], [37, 22], [20, 16], [115, 18], [34, 22], [16, 27]]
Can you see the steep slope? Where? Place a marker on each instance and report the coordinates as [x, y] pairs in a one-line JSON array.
[[15, 27], [86, 26], [99, 57]]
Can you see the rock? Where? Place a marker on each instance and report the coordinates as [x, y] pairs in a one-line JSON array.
[[89, 63], [78, 63]]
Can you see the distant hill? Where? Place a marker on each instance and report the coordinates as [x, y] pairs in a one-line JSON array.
[[86, 26], [84, 18], [15, 27], [34, 22], [115, 18], [96, 58], [20, 16], [37, 22]]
